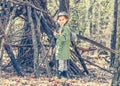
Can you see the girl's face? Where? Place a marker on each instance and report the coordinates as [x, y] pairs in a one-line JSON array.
[[62, 20]]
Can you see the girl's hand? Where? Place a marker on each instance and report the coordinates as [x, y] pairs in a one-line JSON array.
[[60, 31], [54, 33]]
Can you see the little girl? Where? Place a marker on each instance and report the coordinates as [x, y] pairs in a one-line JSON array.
[[62, 44]]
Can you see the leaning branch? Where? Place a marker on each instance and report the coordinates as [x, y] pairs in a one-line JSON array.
[[13, 60], [97, 44], [97, 66]]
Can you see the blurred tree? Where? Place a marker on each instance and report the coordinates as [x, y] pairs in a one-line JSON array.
[[113, 37], [64, 5], [116, 78]]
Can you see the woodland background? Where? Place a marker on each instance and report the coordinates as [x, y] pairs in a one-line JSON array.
[[27, 42]]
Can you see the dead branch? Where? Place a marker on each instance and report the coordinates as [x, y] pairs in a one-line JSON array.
[[35, 43], [13, 60], [97, 44], [79, 58], [23, 3], [91, 63]]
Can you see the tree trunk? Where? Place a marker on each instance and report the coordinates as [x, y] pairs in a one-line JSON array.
[[113, 37], [116, 78], [64, 5]]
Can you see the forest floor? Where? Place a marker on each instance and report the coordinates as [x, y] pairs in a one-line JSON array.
[[96, 77]]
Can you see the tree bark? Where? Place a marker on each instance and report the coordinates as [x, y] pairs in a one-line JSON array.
[[7, 30], [113, 37], [97, 44], [116, 78], [80, 58], [34, 41], [64, 5], [13, 60]]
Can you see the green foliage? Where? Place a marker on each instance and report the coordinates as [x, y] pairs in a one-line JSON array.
[[16, 30], [52, 6], [77, 18], [98, 13]]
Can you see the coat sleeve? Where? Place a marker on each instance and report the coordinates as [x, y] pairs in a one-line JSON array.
[[65, 35]]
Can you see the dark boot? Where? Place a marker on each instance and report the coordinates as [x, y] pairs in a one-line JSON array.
[[59, 74], [64, 74], [51, 63]]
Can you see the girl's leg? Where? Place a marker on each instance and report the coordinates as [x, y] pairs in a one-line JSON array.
[[62, 68], [62, 65]]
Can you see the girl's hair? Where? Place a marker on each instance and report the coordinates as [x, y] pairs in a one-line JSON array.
[[64, 16]]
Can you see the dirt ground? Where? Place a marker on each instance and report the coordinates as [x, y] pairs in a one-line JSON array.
[[97, 77]]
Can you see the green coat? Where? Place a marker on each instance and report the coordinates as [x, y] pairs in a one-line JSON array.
[[63, 44]]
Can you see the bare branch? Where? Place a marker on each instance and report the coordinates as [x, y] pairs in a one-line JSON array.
[[23, 3]]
